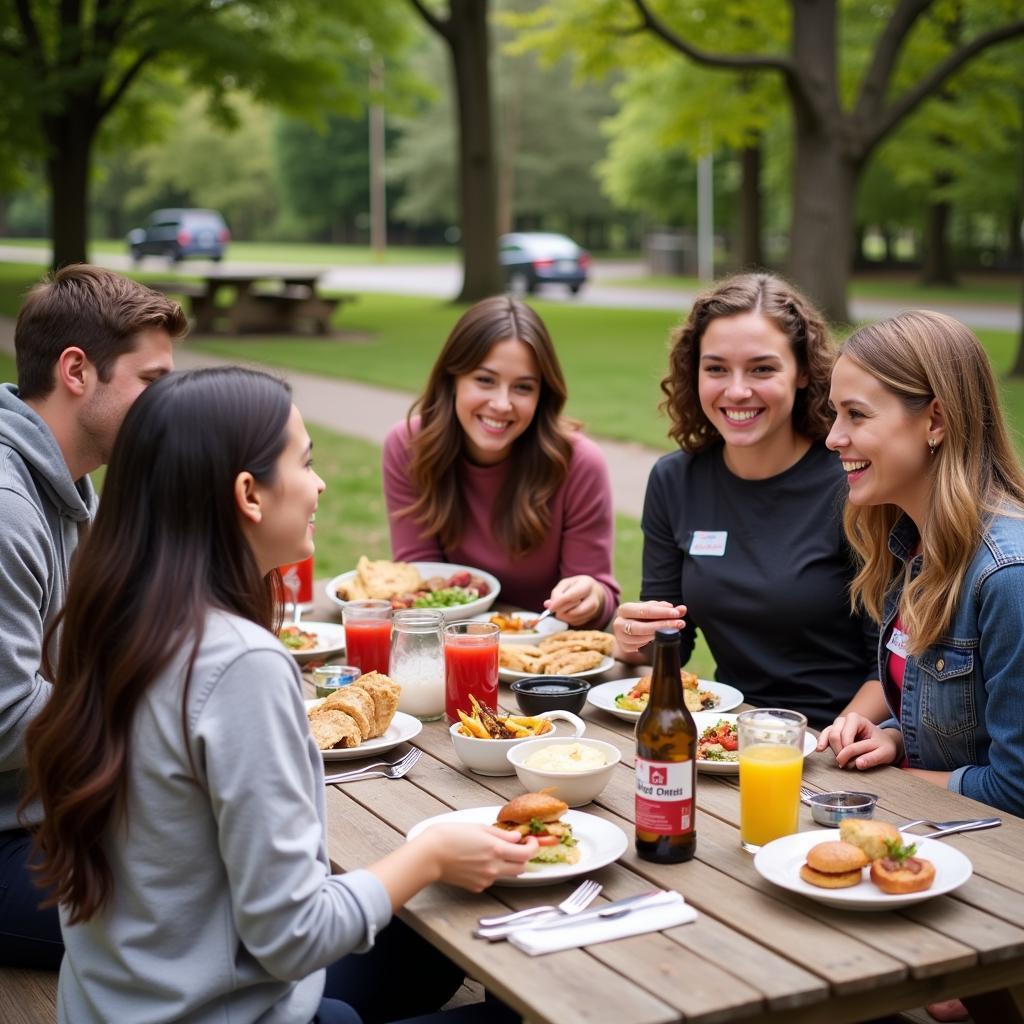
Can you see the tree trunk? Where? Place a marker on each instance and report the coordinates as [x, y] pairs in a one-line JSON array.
[[478, 198], [68, 165], [826, 164], [937, 266], [751, 253], [821, 232]]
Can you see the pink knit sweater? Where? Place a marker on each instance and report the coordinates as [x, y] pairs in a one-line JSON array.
[[580, 540]]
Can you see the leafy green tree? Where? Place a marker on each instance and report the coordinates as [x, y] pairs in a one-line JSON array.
[[66, 67], [841, 110], [548, 144]]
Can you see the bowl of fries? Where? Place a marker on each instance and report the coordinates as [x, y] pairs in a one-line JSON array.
[[483, 737]]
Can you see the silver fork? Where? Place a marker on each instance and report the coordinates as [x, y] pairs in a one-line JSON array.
[[947, 828], [394, 770], [579, 899]]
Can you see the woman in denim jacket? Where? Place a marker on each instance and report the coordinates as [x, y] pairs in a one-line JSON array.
[[936, 516]]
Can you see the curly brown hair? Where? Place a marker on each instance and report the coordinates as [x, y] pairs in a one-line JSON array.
[[791, 313]]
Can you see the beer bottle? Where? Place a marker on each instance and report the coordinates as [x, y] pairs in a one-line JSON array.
[[666, 765]]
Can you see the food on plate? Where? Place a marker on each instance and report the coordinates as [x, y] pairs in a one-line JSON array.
[[356, 702], [485, 724], [538, 814], [562, 654], [834, 865], [871, 836], [333, 730], [900, 872], [696, 700], [513, 623], [363, 710], [402, 585], [719, 742], [566, 757], [296, 639]]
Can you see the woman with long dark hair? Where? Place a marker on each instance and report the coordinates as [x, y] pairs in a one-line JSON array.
[[742, 526], [183, 798], [486, 471]]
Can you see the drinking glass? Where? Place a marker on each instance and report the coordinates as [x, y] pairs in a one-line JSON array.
[[470, 666], [368, 634], [328, 678], [297, 583], [417, 662], [771, 761]]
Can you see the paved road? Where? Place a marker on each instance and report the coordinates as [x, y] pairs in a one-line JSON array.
[[443, 280]]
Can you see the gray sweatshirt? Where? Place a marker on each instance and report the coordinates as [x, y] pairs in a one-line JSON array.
[[43, 513], [224, 907]]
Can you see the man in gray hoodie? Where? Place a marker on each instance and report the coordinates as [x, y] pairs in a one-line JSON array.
[[87, 343]]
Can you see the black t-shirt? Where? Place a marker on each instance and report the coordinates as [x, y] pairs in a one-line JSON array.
[[764, 570]]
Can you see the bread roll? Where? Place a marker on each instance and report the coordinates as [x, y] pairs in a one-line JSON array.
[[836, 856], [870, 836]]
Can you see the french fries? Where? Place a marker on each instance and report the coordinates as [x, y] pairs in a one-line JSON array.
[[485, 724]]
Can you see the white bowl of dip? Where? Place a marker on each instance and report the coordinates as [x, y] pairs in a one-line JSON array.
[[575, 769]]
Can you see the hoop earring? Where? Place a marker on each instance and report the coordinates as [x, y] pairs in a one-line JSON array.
[[931, 445]]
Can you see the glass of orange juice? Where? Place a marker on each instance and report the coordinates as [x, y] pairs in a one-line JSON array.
[[771, 762]]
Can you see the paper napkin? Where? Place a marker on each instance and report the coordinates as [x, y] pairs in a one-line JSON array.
[[668, 913]]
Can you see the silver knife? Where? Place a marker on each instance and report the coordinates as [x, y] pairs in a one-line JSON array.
[[614, 909]]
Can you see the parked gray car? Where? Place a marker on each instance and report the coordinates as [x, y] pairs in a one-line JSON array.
[[532, 258], [178, 234]]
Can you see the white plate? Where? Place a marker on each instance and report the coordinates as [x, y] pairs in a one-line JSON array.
[[508, 675], [600, 843], [427, 569], [603, 697], [548, 627], [330, 640], [704, 719], [403, 727], [779, 861]]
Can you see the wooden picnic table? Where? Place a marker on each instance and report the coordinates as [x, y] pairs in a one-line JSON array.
[[264, 302], [755, 951]]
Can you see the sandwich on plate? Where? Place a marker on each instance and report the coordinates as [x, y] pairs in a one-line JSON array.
[[538, 815]]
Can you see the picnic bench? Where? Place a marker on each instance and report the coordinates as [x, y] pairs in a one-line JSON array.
[[262, 303]]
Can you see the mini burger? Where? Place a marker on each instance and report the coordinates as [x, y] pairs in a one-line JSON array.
[[537, 815], [834, 865]]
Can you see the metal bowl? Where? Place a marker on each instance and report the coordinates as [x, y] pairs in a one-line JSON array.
[[829, 809]]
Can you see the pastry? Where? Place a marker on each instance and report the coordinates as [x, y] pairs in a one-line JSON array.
[[870, 836]]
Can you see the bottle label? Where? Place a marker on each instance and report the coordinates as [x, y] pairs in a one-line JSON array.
[[664, 796]]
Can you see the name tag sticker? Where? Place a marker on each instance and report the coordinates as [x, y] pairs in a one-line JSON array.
[[898, 643], [709, 542]]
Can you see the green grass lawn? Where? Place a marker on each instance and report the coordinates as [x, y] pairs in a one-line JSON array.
[[895, 286], [613, 359]]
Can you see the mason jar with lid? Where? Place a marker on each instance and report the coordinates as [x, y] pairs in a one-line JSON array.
[[417, 662]]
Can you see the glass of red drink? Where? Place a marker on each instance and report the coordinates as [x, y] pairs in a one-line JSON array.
[[470, 666], [368, 634], [297, 583]]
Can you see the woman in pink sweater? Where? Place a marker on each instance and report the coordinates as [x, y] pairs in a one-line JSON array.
[[485, 471]]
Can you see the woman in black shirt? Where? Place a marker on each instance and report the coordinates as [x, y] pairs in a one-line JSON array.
[[742, 527]]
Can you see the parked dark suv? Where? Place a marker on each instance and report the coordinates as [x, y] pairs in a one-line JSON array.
[[178, 234], [532, 258]]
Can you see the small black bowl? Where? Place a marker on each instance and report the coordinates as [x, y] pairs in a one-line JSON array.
[[537, 694]]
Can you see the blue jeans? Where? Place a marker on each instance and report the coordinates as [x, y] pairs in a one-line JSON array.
[[402, 977], [29, 937]]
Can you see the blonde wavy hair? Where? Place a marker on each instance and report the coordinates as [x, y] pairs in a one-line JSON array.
[[795, 316], [920, 356]]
